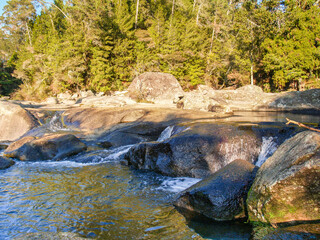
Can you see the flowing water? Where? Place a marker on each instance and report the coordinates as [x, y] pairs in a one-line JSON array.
[[93, 195]]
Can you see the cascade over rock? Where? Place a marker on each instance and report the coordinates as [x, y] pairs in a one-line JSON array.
[[51, 147], [287, 186], [199, 151], [14, 121], [221, 196]]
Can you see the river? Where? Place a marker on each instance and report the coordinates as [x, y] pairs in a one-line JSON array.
[[103, 199]]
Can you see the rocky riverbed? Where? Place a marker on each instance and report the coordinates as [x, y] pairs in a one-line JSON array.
[[255, 169]]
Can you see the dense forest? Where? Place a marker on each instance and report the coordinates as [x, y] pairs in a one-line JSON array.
[[101, 45]]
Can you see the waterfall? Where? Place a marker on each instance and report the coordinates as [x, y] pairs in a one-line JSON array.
[[166, 133], [170, 131], [55, 124], [268, 147]]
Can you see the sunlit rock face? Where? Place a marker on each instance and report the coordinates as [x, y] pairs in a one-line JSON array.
[[14, 121], [155, 87], [199, 151], [287, 186], [221, 196], [51, 147]]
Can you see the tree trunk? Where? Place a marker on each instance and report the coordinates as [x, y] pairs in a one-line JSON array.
[[172, 12], [198, 14], [29, 36], [137, 13]]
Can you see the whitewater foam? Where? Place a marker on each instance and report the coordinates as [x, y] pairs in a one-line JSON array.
[[177, 184]]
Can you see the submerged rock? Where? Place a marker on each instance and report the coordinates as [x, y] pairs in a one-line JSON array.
[[5, 163], [197, 152], [155, 87], [220, 197], [51, 147], [299, 232], [287, 186], [50, 236], [14, 121]]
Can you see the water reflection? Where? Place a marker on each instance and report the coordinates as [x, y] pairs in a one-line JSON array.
[[106, 201]]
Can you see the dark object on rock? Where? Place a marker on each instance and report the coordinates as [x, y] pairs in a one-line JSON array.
[[220, 197], [14, 121], [197, 152], [52, 147], [105, 144], [287, 186], [155, 87], [5, 163]]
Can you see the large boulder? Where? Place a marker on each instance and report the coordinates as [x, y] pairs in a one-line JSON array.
[[5, 162], [287, 186], [14, 121], [199, 151], [304, 101], [155, 87], [220, 197], [51, 147]]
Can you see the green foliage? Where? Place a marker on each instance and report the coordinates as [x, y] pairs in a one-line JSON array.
[[96, 44]]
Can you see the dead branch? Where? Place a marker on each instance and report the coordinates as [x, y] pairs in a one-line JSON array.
[[301, 125]]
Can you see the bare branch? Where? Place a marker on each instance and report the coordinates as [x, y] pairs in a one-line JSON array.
[[301, 125]]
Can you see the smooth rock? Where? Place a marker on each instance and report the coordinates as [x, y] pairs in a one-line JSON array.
[[51, 147], [155, 87], [5, 162], [198, 152], [14, 121], [220, 197], [287, 186]]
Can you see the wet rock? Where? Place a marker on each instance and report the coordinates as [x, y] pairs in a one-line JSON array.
[[132, 134], [197, 152], [155, 87], [51, 147], [5, 163], [287, 185], [220, 197], [14, 121], [299, 232]]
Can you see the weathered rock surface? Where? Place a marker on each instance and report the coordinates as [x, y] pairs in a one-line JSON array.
[[106, 101], [5, 162], [250, 98], [294, 101], [102, 119], [220, 197], [197, 152], [287, 186], [51, 147], [14, 121], [155, 87]]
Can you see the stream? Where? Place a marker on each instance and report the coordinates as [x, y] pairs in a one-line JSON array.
[[103, 199]]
